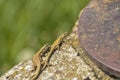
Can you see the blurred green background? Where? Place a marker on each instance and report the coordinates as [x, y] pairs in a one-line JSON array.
[[26, 25]]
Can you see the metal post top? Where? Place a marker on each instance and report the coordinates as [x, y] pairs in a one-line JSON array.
[[99, 34]]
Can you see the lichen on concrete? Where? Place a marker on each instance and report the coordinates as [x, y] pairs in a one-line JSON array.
[[22, 71]]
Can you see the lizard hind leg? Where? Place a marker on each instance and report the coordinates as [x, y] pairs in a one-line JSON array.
[[45, 63]]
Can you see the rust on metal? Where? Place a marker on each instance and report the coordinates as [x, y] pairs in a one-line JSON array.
[[99, 34]]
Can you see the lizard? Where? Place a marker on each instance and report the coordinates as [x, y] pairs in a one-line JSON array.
[[37, 60], [53, 47]]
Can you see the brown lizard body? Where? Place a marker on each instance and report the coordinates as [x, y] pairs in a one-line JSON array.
[[54, 46], [37, 60]]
